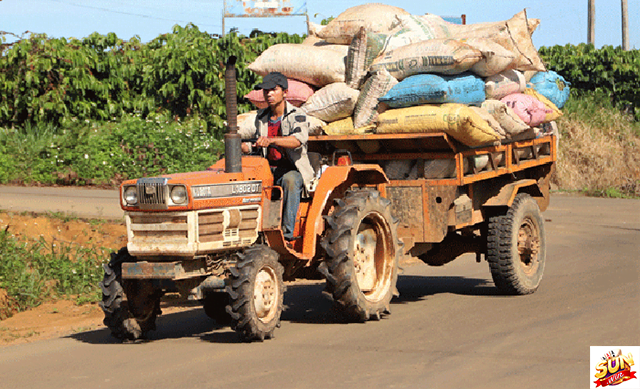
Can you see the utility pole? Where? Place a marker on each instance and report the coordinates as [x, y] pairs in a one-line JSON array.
[[591, 31], [625, 25]]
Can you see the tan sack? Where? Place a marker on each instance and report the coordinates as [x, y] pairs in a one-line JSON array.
[[333, 102], [506, 117], [512, 34], [443, 56], [315, 125], [495, 58], [504, 84], [457, 120], [376, 86], [314, 65], [491, 121], [364, 48], [247, 122], [373, 17], [414, 28], [345, 127]]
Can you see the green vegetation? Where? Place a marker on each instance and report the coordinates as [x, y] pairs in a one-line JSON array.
[[607, 71], [33, 272], [100, 110]]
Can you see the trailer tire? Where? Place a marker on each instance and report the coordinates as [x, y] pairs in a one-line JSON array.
[[362, 253], [130, 307], [256, 293], [215, 304], [516, 247]]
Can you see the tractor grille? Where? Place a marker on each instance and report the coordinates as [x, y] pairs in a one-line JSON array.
[[152, 191], [192, 232], [159, 229]]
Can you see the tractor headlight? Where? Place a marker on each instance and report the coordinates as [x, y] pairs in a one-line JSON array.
[[179, 194], [131, 195]]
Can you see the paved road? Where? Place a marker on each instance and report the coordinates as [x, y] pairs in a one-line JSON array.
[[448, 329], [80, 202]]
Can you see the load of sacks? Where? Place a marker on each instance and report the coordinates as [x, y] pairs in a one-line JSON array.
[[377, 69]]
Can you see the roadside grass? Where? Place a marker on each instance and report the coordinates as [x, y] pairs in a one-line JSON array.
[[599, 152], [32, 272]]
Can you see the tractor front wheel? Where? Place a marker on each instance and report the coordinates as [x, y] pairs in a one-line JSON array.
[[256, 293], [130, 306]]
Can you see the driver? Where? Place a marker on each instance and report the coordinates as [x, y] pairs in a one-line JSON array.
[[282, 131]]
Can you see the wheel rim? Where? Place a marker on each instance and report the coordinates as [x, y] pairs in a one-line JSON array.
[[529, 246], [372, 251], [265, 294]]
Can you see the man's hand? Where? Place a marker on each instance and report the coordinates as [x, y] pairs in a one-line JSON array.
[[287, 142], [263, 141], [245, 147]]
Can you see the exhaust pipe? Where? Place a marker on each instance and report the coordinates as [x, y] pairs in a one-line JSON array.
[[232, 140]]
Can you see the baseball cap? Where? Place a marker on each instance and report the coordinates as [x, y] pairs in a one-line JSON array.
[[272, 80]]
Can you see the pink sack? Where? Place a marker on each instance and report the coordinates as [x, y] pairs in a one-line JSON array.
[[531, 110], [297, 94]]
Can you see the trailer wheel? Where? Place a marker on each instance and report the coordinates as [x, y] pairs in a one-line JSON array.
[[214, 305], [256, 293], [130, 306], [516, 248], [362, 253]]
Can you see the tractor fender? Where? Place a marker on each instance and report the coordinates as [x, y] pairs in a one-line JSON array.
[[332, 178], [508, 193]]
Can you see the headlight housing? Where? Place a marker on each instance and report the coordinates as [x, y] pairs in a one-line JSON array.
[[179, 195], [130, 195]]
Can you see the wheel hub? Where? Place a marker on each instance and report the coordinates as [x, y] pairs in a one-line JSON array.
[[265, 294], [364, 259], [528, 246]]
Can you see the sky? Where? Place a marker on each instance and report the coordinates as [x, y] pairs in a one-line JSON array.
[[562, 22]]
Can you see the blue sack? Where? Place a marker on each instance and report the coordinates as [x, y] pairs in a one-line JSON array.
[[421, 89], [552, 86]]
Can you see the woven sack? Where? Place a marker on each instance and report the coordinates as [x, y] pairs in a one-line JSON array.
[[345, 127], [333, 102], [531, 110], [491, 121], [504, 84], [495, 58], [414, 28], [432, 88], [550, 116], [457, 120], [443, 56], [375, 87], [314, 65], [364, 49], [315, 125], [509, 121], [552, 86], [373, 17], [513, 34]]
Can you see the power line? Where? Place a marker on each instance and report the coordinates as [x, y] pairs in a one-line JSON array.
[[131, 13]]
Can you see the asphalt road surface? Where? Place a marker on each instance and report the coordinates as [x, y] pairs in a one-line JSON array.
[[448, 329]]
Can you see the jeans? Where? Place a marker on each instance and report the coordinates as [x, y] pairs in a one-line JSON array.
[[292, 184]]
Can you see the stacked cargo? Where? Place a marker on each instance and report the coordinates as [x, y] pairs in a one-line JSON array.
[[377, 69]]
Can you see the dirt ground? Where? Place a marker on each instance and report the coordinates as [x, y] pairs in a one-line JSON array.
[[57, 318]]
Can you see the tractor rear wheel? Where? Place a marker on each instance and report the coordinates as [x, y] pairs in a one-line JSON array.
[[256, 293], [362, 252], [130, 306], [516, 247]]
